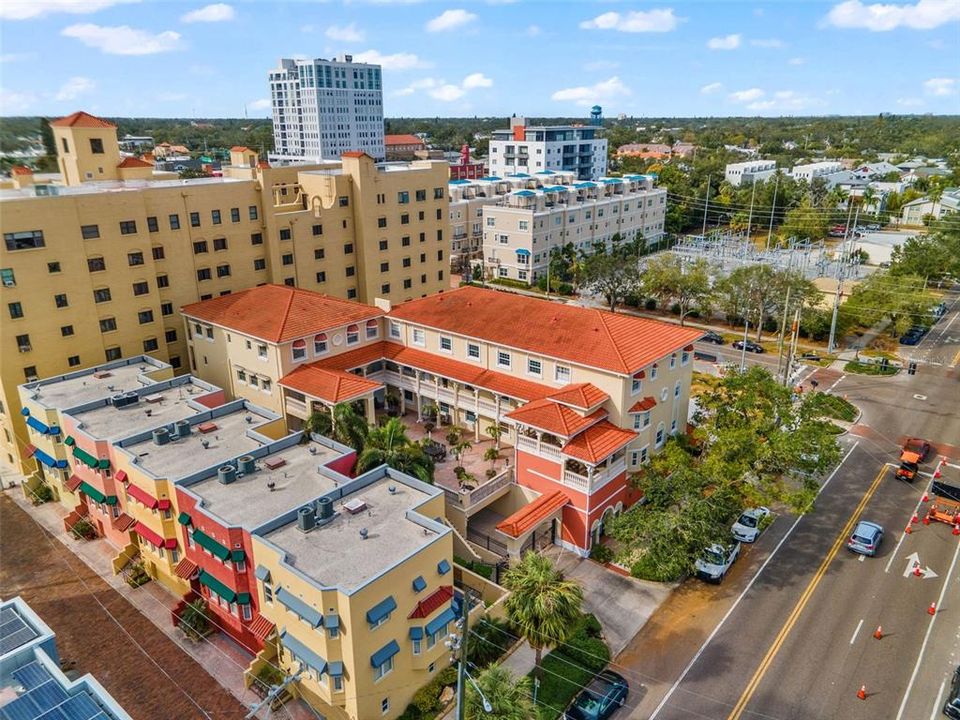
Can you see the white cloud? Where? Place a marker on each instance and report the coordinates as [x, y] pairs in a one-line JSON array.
[[171, 96], [661, 20], [17, 57], [450, 20], [396, 61], [598, 65], [123, 39], [533, 31], [746, 95], [588, 95], [881, 17], [711, 88], [74, 88], [346, 33], [797, 61], [909, 102], [940, 86], [786, 101], [218, 12], [447, 92], [767, 43], [28, 9], [13, 102], [261, 104], [727, 42], [423, 84], [477, 80]]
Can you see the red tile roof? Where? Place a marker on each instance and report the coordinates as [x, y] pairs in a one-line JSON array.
[[598, 442], [580, 395], [389, 140], [648, 403], [596, 338], [20, 170], [433, 602], [185, 569], [531, 515], [277, 313], [132, 162], [334, 386], [82, 119], [544, 414], [263, 165], [73, 483], [239, 148], [123, 522], [261, 627], [354, 154]]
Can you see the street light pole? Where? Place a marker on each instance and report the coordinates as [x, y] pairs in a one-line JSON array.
[[461, 645], [776, 186], [743, 349], [706, 206]]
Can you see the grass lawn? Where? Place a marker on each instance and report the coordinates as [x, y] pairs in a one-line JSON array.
[[869, 369], [834, 407]]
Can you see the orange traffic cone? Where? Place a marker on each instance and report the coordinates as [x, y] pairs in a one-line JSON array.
[[936, 473], [878, 633], [917, 571], [926, 519], [956, 528], [932, 610], [862, 692], [908, 530], [926, 498], [915, 519]]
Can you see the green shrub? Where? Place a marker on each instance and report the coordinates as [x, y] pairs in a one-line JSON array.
[[590, 652], [137, 575], [193, 619], [591, 626], [427, 699], [650, 304], [601, 553], [833, 406], [565, 288], [43, 494], [489, 640], [562, 680], [869, 369], [84, 529]]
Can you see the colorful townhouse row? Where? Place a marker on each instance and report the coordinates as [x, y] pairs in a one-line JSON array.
[[344, 582]]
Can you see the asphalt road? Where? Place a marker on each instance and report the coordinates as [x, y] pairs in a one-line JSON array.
[[789, 635]]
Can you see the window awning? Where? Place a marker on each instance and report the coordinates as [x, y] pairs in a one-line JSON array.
[[384, 654], [184, 519], [243, 598], [142, 496], [41, 456], [163, 504], [73, 483], [89, 460], [688, 348], [298, 606], [69, 441], [419, 583], [262, 573], [221, 589], [154, 538], [331, 622], [447, 616], [303, 653], [210, 545], [237, 556], [381, 610], [29, 450], [416, 633], [37, 425], [522, 251], [91, 492], [335, 669], [121, 476], [443, 567]]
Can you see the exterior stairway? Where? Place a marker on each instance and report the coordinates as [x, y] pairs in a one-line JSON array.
[[78, 513]]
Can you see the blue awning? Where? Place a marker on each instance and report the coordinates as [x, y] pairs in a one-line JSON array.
[[262, 573], [24, 411], [587, 184], [519, 175], [523, 251], [37, 425], [303, 653], [546, 172], [295, 604], [384, 654], [447, 616], [491, 178], [416, 633], [335, 668], [524, 193], [331, 622], [612, 181], [419, 583], [556, 188], [381, 610], [49, 461], [443, 567], [458, 182]]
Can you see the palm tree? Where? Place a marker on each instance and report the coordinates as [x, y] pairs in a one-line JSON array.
[[542, 604], [389, 445], [868, 198], [344, 425], [509, 696]]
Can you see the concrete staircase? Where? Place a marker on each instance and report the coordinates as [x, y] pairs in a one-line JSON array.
[[128, 555], [74, 516]]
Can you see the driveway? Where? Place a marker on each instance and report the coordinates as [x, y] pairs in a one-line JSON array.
[[622, 604]]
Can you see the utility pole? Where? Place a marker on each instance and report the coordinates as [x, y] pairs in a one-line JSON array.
[[793, 347], [841, 270], [776, 186], [462, 666], [743, 350], [783, 324], [706, 205], [753, 194]]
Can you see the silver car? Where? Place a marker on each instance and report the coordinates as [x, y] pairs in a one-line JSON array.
[[747, 528], [866, 538], [716, 560]]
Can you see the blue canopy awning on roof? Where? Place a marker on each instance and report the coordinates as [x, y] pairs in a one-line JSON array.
[[545, 172], [524, 193], [303, 653], [447, 616], [381, 610], [523, 251], [298, 606], [458, 182], [384, 654], [587, 184], [556, 188], [612, 181], [519, 175], [419, 583]]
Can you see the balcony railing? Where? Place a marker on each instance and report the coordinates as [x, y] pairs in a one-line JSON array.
[[546, 450], [470, 498]]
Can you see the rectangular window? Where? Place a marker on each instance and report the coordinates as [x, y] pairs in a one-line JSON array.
[[317, 230], [534, 367], [636, 386], [215, 217], [381, 222], [24, 240], [285, 233], [382, 671], [8, 277], [66, 330], [350, 271], [16, 310], [262, 351], [204, 274], [96, 264], [405, 219], [503, 359], [96, 146], [200, 247], [561, 374], [321, 277], [108, 324], [446, 344], [60, 300], [157, 251], [73, 360], [141, 288], [252, 211], [421, 195], [287, 259], [223, 271], [256, 239], [235, 215], [473, 351], [113, 353], [219, 243], [194, 219], [150, 345], [30, 373], [343, 201], [23, 343], [174, 221], [419, 337], [89, 232], [166, 309], [101, 295], [170, 335], [384, 267], [53, 267], [347, 248], [438, 193], [403, 197], [259, 264], [163, 281], [128, 227], [385, 288]]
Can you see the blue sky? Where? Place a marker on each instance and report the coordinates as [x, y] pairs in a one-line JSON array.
[[532, 57]]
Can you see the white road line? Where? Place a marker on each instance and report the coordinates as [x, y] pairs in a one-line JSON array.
[[859, 625], [893, 555], [830, 389], [926, 638], [935, 713], [723, 620]]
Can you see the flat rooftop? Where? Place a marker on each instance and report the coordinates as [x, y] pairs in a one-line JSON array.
[[93, 188], [335, 555], [79, 389], [249, 502], [153, 410], [181, 458]]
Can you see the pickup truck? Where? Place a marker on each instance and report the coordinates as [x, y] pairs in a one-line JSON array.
[[915, 451]]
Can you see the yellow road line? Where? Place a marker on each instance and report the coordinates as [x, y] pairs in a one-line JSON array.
[[802, 602], [956, 359]]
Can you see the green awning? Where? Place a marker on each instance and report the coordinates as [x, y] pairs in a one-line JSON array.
[[69, 440], [91, 492], [243, 598], [103, 464], [210, 545], [238, 555], [184, 519], [218, 587], [85, 457]]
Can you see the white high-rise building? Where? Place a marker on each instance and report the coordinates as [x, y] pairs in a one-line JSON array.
[[324, 108], [529, 149]]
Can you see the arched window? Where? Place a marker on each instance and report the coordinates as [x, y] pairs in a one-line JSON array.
[[676, 390], [373, 329], [319, 344], [353, 334], [659, 441], [673, 361], [299, 350]]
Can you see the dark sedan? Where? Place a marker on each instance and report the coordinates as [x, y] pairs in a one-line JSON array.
[[600, 698], [750, 346], [713, 337]]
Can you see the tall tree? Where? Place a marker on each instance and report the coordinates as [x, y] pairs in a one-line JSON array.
[[389, 445], [343, 424], [671, 280], [612, 276], [510, 697], [805, 222], [543, 605]]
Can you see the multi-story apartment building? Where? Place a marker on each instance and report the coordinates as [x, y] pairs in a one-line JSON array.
[[96, 269], [219, 501], [749, 172], [324, 108], [522, 228], [33, 685], [811, 171], [403, 147], [583, 395], [529, 149]]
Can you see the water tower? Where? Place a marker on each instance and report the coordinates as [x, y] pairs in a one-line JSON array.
[[596, 116]]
